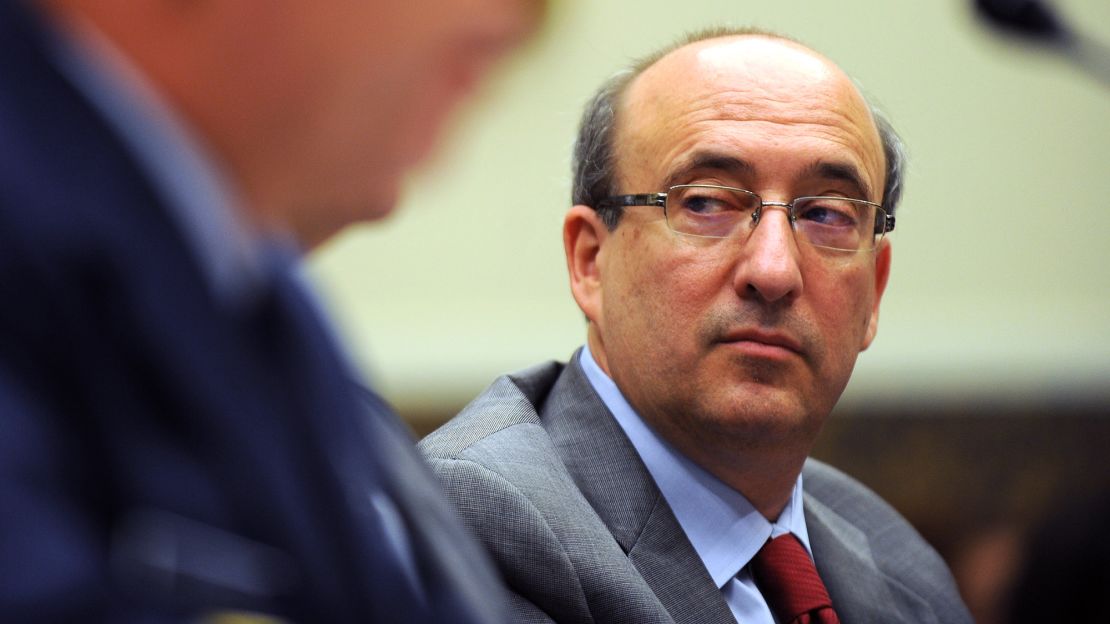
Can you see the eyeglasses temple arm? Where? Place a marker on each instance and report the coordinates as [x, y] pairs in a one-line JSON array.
[[645, 199]]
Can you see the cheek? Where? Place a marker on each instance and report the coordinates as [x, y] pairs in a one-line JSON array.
[[842, 304], [672, 295]]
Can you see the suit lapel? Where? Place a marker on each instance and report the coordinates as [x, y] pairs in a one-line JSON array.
[[609, 472], [676, 574], [844, 561]]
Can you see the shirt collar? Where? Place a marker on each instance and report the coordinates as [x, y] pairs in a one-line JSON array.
[[724, 528], [200, 198]]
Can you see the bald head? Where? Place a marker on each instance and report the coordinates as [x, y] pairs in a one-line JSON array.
[[753, 98], [742, 73]]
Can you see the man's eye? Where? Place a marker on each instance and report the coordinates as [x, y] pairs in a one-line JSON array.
[[830, 213], [709, 202], [705, 205]]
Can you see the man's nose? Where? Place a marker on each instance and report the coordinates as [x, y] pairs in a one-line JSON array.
[[769, 265]]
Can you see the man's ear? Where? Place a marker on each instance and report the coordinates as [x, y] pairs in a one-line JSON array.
[[584, 233], [882, 273]]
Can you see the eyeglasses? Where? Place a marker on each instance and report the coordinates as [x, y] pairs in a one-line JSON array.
[[711, 211]]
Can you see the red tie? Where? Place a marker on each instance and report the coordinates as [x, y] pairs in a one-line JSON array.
[[786, 577]]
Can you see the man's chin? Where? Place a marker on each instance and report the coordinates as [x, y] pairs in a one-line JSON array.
[[759, 408]]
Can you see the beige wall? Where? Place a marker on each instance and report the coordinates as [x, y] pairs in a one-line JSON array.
[[1001, 279]]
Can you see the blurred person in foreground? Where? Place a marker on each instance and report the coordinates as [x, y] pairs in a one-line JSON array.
[[179, 438], [727, 248]]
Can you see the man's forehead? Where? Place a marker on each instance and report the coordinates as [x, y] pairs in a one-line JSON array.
[[740, 78], [754, 60]]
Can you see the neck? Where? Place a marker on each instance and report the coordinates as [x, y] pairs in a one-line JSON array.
[[765, 478], [761, 465]]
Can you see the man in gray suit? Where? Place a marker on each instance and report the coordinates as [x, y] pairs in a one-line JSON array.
[[727, 248]]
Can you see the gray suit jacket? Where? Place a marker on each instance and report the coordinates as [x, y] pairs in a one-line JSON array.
[[545, 476]]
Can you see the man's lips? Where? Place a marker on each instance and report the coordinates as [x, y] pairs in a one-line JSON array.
[[762, 343]]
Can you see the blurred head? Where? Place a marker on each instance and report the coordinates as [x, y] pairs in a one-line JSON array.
[[318, 108], [747, 340]]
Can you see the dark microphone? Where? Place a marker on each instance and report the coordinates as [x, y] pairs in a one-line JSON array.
[[1025, 17], [1037, 21]]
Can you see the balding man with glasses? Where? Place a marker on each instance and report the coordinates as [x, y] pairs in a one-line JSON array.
[[727, 246]]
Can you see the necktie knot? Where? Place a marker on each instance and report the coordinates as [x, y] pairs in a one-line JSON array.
[[788, 580]]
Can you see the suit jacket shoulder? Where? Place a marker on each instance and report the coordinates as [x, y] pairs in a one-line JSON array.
[[543, 474], [873, 561], [502, 471], [547, 480]]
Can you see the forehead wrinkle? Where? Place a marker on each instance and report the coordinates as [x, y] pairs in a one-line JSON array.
[[693, 144], [718, 101], [816, 109]]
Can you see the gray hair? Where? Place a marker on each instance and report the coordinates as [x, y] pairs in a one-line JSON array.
[[594, 166]]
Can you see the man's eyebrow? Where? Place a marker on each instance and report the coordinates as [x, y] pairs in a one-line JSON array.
[[709, 160], [842, 172]]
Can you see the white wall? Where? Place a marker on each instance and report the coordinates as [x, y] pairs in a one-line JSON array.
[[1001, 278]]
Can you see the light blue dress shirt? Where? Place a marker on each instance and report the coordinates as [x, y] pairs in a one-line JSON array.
[[724, 528]]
